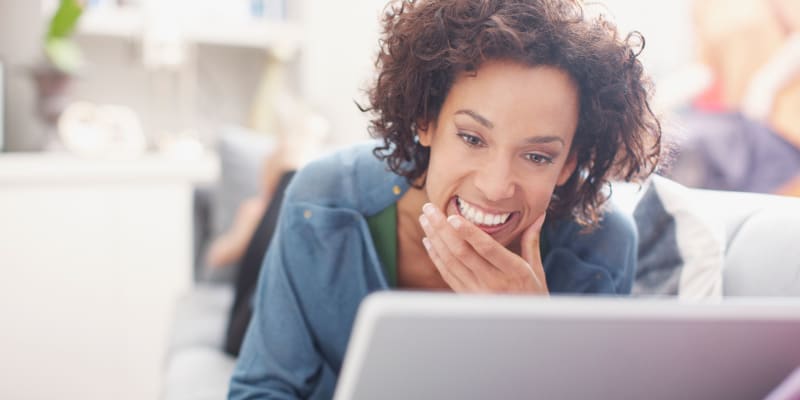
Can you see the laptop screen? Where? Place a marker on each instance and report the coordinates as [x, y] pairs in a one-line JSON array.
[[426, 346]]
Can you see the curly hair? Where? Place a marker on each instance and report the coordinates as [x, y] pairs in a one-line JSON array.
[[426, 44]]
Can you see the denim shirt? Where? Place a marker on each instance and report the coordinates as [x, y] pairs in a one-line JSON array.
[[322, 263]]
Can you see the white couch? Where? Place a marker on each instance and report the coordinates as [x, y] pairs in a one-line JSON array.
[[761, 236]]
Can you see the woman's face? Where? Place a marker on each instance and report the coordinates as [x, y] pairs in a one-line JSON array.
[[500, 145]]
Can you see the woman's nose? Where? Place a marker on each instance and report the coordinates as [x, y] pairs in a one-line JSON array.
[[495, 180]]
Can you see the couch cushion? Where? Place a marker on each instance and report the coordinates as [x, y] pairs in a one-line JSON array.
[[200, 373], [200, 318], [242, 154], [681, 251], [764, 254]]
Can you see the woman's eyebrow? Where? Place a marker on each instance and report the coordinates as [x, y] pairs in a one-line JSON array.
[[545, 139], [477, 117], [531, 140]]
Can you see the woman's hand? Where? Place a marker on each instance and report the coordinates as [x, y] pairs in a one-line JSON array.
[[471, 261]]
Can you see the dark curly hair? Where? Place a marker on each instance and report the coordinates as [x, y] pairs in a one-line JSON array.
[[426, 44]]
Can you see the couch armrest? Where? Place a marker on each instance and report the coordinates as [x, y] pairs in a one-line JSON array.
[[762, 255]]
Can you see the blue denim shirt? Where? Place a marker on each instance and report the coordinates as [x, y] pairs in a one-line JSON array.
[[322, 263]]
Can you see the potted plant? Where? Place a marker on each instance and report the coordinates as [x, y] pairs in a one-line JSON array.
[[62, 61]]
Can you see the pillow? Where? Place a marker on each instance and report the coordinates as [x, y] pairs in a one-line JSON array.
[[681, 251], [241, 154], [763, 254]]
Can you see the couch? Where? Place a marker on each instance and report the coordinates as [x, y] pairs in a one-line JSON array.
[[754, 235]]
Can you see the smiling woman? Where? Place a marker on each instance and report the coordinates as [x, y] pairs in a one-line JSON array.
[[501, 124], [508, 157]]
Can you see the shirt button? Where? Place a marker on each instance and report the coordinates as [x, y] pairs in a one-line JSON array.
[[396, 190], [307, 214], [598, 276]]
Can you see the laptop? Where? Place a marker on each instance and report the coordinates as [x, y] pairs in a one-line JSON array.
[[441, 346]]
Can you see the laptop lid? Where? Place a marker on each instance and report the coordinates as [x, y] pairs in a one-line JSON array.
[[439, 346]]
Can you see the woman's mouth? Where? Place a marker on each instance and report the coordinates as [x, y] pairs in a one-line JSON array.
[[487, 221]]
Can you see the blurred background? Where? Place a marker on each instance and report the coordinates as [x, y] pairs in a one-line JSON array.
[[141, 141], [189, 67]]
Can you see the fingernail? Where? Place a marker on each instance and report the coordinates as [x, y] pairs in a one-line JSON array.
[[427, 243], [428, 209], [423, 220], [454, 221]]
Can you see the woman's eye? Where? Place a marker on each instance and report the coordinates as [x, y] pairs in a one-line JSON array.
[[538, 158], [471, 140]]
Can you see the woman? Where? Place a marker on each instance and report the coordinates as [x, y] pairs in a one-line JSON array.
[[502, 122]]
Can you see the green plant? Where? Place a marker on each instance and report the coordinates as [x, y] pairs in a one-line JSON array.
[[61, 51]]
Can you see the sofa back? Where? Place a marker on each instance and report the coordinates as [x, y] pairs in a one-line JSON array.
[[762, 247], [706, 243]]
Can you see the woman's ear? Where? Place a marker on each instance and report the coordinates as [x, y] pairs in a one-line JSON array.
[[568, 169], [424, 133]]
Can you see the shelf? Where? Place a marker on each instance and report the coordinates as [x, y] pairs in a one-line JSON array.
[[112, 22], [29, 168], [248, 33], [253, 34]]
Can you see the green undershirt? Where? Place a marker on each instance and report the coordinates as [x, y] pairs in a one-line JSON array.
[[383, 228]]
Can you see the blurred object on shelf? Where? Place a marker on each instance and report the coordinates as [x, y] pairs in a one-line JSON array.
[[244, 23], [168, 56], [101, 131], [184, 146], [61, 51], [163, 41], [53, 75], [270, 9], [52, 92]]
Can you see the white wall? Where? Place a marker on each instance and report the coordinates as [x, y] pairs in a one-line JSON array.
[[337, 61], [666, 27]]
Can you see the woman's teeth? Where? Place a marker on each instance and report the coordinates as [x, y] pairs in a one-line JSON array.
[[479, 217]]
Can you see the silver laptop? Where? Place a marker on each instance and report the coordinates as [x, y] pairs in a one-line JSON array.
[[439, 346]]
